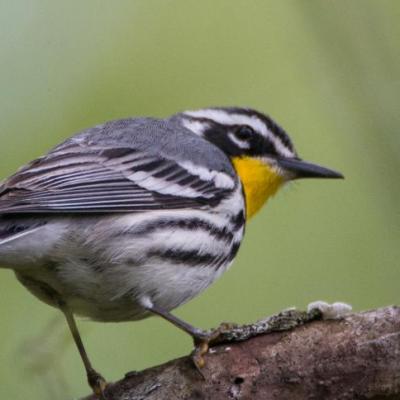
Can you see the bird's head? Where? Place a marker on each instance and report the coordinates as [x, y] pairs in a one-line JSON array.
[[261, 151]]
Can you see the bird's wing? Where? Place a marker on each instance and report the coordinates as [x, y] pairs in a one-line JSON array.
[[81, 177]]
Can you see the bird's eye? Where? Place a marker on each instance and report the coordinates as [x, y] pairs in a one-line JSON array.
[[244, 132]]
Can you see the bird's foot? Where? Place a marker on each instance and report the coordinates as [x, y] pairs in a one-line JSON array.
[[97, 383], [203, 340]]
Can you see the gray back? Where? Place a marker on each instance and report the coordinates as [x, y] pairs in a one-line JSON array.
[[166, 138]]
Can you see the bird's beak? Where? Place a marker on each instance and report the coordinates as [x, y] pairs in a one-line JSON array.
[[297, 169]]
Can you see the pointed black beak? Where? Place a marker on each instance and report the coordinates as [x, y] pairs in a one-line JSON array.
[[301, 169]]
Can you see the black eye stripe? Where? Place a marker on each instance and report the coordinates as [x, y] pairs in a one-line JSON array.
[[276, 129], [248, 142], [269, 147], [244, 132], [259, 144]]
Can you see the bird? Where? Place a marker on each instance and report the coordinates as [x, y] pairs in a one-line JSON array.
[[134, 217]]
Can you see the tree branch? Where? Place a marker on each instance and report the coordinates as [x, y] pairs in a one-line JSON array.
[[357, 357]]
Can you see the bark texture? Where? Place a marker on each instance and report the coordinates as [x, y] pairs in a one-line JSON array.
[[289, 356]]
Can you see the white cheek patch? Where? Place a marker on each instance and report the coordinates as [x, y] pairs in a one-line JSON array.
[[225, 118]]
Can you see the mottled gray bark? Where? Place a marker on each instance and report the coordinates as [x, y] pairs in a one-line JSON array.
[[289, 356]]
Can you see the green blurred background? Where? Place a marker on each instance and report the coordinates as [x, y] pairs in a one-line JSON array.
[[329, 72]]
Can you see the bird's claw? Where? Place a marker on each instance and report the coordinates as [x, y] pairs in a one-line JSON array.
[[202, 342], [97, 383]]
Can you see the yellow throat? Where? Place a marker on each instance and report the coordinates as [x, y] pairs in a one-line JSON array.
[[259, 181]]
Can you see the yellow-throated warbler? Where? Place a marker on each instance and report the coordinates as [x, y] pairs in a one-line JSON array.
[[137, 216]]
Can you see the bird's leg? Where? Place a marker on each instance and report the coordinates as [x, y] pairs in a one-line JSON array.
[[200, 337], [95, 380]]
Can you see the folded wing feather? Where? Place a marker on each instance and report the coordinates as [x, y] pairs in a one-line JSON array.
[[75, 178]]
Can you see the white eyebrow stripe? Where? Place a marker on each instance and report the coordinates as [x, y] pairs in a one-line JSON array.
[[195, 126], [225, 118]]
